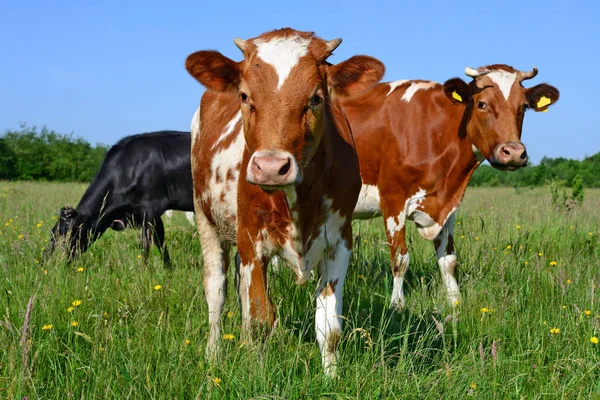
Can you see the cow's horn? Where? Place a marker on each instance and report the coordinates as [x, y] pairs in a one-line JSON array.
[[332, 45], [529, 74], [474, 73], [240, 44]]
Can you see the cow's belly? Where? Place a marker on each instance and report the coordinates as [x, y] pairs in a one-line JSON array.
[[368, 203]]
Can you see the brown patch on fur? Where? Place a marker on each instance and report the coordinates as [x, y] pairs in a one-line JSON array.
[[333, 340], [329, 288]]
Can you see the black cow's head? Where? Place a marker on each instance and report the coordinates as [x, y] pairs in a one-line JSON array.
[[71, 228]]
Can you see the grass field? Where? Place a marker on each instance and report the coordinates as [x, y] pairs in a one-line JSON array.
[[110, 326]]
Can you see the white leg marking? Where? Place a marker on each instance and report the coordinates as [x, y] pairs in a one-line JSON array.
[[328, 321], [368, 204], [504, 80], [215, 281], [282, 53], [244, 293], [447, 262], [190, 217], [414, 87], [402, 263]]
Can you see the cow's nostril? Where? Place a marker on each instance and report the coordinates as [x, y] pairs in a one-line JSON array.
[[506, 151], [285, 169]]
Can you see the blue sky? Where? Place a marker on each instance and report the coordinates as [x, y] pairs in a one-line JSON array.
[[115, 68]]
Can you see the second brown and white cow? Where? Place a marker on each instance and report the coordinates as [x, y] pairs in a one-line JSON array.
[[275, 171], [418, 143]]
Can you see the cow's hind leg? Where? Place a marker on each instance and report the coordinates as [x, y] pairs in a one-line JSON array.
[[446, 255], [215, 255], [328, 316], [159, 239]]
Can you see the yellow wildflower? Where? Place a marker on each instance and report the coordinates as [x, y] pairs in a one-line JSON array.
[[587, 313], [228, 336], [564, 307], [526, 262], [555, 331], [80, 269], [139, 256], [74, 323], [70, 309], [518, 226], [553, 263], [485, 310], [540, 254], [594, 340], [473, 385], [157, 287], [569, 281], [187, 341], [229, 314], [45, 271], [217, 381], [476, 237], [509, 247], [39, 225], [76, 303], [456, 303], [21, 236], [591, 233], [105, 315], [101, 349], [47, 327], [462, 236]]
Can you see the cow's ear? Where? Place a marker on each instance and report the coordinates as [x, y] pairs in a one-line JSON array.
[[458, 91], [215, 71], [355, 75], [541, 96]]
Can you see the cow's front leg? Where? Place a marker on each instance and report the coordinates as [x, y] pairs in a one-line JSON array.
[[215, 257], [395, 233], [328, 317], [446, 255], [257, 309]]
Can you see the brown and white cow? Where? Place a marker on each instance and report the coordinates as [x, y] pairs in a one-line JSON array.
[[418, 143], [275, 171]]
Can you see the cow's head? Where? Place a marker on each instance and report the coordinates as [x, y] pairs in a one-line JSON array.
[[285, 88], [496, 102], [71, 228]]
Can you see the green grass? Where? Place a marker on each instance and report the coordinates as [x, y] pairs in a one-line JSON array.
[[130, 341]]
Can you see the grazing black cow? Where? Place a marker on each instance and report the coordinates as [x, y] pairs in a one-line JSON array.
[[141, 177]]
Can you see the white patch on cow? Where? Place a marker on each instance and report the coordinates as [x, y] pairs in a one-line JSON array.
[[447, 262], [228, 129], [282, 53], [396, 223], [368, 204], [504, 80], [328, 321], [478, 156], [394, 85], [244, 293], [195, 124], [222, 192], [214, 280], [416, 86]]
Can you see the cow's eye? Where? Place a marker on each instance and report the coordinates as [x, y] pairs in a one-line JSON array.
[[481, 105], [315, 101], [244, 97]]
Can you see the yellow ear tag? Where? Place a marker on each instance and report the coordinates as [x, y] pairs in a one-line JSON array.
[[544, 101], [457, 96]]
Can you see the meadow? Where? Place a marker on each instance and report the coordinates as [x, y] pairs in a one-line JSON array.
[[110, 326]]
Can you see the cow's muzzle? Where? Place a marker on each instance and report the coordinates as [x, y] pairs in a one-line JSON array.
[[273, 169], [509, 156]]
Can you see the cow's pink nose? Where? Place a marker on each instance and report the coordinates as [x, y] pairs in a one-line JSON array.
[[511, 154], [272, 169]]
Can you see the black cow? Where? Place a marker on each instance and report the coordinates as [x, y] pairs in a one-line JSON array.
[[141, 177]]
